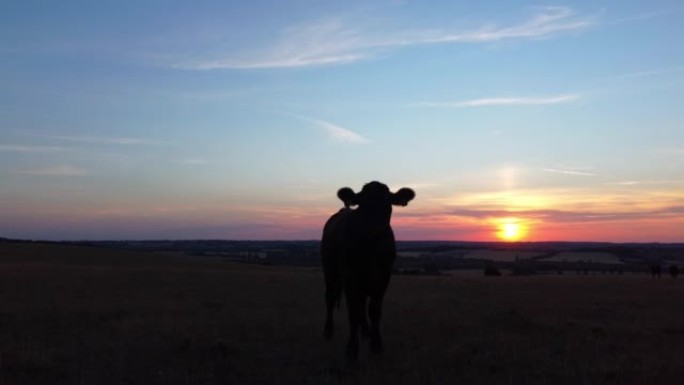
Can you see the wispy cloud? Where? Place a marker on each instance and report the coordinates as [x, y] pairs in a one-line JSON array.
[[419, 185], [502, 101], [335, 132], [339, 133], [548, 22], [595, 199], [126, 141], [647, 182], [569, 172], [56, 171], [337, 41], [323, 42], [29, 148], [569, 215], [647, 73], [564, 206], [642, 16]]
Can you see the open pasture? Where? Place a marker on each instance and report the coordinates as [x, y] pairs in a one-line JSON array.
[[96, 316]]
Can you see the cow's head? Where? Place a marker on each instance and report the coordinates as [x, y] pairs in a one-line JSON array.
[[375, 200]]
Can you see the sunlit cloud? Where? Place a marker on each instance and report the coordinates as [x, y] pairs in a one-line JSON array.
[[341, 134], [647, 182], [339, 41], [335, 132], [569, 172], [56, 171], [616, 199], [511, 200], [581, 210], [502, 101], [419, 185], [569, 215]]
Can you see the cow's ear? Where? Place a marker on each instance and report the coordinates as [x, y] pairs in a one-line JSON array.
[[348, 196], [403, 196]]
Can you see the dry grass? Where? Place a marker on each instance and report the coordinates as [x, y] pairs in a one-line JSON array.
[[74, 315]]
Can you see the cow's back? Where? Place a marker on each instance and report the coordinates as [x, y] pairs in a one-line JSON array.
[[333, 246]]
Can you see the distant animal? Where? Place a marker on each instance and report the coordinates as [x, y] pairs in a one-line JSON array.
[[655, 271], [492, 271], [358, 251], [674, 271]]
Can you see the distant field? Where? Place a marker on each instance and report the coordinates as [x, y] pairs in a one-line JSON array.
[[515, 255], [492, 255], [80, 315], [578, 256], [501, 255]]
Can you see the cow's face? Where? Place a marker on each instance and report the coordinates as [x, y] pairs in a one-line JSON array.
[[375, 200]]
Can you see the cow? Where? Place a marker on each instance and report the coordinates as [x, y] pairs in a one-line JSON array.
[[358, 251], [655, 271], [674, 271]]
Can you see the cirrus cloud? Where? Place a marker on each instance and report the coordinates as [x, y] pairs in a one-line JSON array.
[[56, 171], [338, 41], [503, 101]]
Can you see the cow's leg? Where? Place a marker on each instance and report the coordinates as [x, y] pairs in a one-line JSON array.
[[377, 295], [330, 300], [333, 288], [375, 313], [365, 332], [355, 311]]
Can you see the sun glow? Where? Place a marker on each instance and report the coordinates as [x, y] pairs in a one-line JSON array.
[[511, 230]]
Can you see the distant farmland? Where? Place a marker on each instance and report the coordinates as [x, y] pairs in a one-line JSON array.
[[433, 257], [74, 314], [577, 256]]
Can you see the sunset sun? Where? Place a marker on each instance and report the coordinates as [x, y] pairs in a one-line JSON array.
[[511, 230]]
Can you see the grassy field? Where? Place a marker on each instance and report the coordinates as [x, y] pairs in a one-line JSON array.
[[78, 315]]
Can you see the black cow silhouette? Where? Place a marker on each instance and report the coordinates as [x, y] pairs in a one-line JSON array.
[[674, 271], [358, 251], [655, 271]]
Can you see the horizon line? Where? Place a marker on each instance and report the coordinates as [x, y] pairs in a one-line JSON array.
[[19, 240]]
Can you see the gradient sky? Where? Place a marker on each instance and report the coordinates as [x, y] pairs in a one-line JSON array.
[[241, 119]]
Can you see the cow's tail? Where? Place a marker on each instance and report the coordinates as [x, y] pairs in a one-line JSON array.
[[331, 273], [335, 296], [333, 289]]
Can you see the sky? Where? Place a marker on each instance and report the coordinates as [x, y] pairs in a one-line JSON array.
[[556, 121]]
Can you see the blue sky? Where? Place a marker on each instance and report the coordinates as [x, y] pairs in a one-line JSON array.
[[163, 119]]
